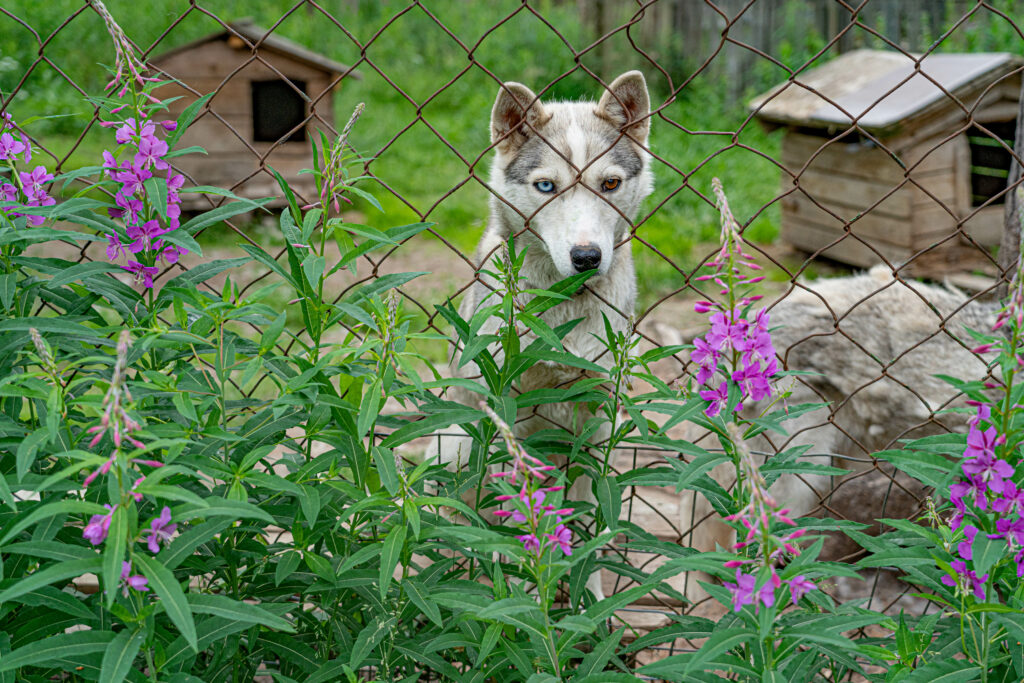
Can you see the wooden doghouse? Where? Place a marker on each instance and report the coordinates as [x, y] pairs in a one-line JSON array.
[[272, 96], [945, 166]]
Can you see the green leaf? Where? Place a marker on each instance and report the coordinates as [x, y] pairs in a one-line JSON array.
[[267, 260], [609, 497], [185, 544], [369, 407], [719, 642], [272, 332], [163, 583], [430, 424], [286, 566], [387, 469], [28, 448], [185, 119], [81, 271], [113, 553], [985, 552], [49, 510], [600, 655], [220, 213], [944, 671], [156, 192], [382, 284], [221, 507], [51, 574], [293, 650], [313, 268], [184, 240], [8, 286], [392, 552], [369, 638], [223, 606], [423, 601], [63, 646], [120, 655]]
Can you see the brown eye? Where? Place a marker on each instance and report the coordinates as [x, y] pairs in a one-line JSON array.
[[610, 185]]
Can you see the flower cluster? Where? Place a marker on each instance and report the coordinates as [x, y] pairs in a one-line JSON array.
[[736, 347], [761, 513], [144, 224], [531, 508], [28, 187], [985, 490], [128, 68], [120, 425], [115, 417]]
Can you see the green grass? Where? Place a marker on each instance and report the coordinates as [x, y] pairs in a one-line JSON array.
[[418, 74]]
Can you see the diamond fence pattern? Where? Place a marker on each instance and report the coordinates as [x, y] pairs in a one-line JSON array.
[[685, 48]]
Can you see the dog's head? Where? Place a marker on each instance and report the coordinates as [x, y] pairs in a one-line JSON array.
[[574, 173]]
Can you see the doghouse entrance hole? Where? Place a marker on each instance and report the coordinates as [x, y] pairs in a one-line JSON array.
[[277, 110], [990, 160]]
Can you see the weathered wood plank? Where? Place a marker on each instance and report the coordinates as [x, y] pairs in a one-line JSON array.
[[810, 237], [871, 225], [857, 195]]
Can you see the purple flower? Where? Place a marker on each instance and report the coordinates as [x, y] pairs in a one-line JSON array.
[[530, 542], [727, 331], [717, 399], [114, 247], [1011, 501], [984, 413], [170, 253], [9, 147], [98, 527], [800, 586], [144, 236], [988, 468], [1011, 530], [538, 501], [151, 152], [142, 273], [963, 548], [980, 444], [561, 538], [136, 582], [752, 382], [977, 584], [161, 530], [745, 592]]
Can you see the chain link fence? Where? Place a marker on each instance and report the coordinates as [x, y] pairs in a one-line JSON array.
[[902, 156]]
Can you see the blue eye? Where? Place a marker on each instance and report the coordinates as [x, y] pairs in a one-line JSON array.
[[545, 186]]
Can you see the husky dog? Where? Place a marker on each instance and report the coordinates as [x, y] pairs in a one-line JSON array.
[[568, 178]]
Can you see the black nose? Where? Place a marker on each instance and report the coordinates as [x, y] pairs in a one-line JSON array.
[[585, 258]]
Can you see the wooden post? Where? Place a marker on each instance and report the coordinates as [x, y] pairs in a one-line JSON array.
[[1009, 248]]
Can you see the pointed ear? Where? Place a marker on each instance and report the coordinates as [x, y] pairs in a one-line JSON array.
[[626, 104], [515, 104]]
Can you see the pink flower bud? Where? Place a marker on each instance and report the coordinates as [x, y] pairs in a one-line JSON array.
[[502, 513], [149, 463], [984, 348]]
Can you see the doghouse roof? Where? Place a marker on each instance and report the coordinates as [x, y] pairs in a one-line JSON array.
[[880, 89], [273, 43]]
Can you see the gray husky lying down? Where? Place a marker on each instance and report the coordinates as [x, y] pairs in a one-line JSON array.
[[875, 345]]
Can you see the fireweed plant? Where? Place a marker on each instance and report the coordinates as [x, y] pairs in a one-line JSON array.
[[196, 486], [778, 625], [970, 542]]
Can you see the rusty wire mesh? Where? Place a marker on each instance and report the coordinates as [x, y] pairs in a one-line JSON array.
[[721, 41]]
